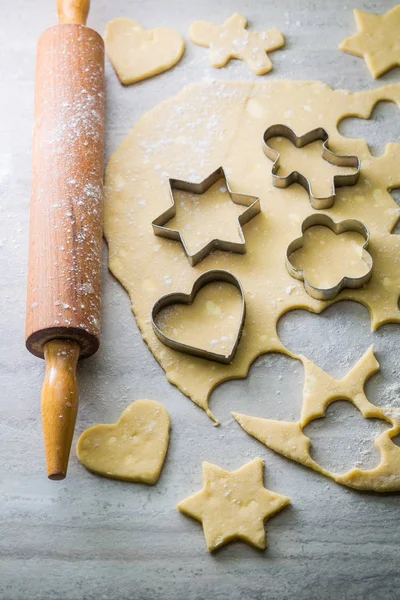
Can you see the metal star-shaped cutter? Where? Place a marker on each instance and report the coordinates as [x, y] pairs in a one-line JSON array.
[[337, 227], [295, 177], [253, 208]]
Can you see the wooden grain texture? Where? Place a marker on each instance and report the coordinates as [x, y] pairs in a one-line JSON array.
[[59, 404], [64, 282], [64, 285], [73, 11]]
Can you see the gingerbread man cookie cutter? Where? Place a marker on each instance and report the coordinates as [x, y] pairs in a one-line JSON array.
[[320, 219], [216, 275], [251, 202], [319, 203]]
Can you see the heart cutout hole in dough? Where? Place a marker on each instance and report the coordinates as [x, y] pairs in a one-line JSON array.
[[133, 449], [210, 323]]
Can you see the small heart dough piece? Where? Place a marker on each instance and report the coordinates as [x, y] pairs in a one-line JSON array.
[[133, 449], [137, 54]]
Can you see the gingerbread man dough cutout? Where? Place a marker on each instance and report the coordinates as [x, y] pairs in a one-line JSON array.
[[232, 40]]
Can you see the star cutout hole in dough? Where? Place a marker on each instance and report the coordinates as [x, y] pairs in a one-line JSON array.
[[133, 449], [233, 40], [137, 53], [233, 505], [377, 40]]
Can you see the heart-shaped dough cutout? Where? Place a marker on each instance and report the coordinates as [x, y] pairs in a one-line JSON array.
[[208, 322], [137, 53], [133, 449]]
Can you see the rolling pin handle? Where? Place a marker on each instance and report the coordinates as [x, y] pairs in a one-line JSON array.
[[59, 404], [73, 12]]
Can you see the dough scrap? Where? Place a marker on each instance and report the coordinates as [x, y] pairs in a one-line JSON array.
[[232, 40], [222, 123], [377, 40], [321, 390], [133, 449], [137, 53], [233, 505]]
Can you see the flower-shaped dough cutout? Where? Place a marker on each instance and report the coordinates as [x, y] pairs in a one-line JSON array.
[[233, 505], [377, 40], [232, 40], [321, 390], [133, 449], [330, 256], [137, 54]]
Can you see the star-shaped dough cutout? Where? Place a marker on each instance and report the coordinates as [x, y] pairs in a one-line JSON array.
[[232, 40], [377, 40], [233, 505], [206, 216]]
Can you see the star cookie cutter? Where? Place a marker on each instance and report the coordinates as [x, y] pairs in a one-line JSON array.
[[319, 203], [182, 298], [253, 208], [337, 228]]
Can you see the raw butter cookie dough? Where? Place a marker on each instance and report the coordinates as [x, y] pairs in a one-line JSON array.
[[233, 505], [137, 53], [133, 449], [222, 123]]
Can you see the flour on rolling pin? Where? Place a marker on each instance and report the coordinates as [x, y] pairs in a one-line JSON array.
[[67, 182], [64, 283]]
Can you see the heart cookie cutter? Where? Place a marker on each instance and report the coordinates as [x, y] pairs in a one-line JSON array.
[[319, 203], [337, 227], [216, 275], [253, 208]]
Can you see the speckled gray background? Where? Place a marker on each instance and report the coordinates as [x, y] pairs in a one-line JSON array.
[[90, 538]]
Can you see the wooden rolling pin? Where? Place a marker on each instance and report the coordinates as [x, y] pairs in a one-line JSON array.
[[64, 282]]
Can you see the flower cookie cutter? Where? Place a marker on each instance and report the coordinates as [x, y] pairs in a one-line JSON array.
[[253, 208], [216, 275], [337, 227], [319, 203]]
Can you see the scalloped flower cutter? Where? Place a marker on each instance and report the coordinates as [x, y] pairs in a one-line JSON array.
[[339, 227], [319, 203], [253, 208], [217, 275]]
